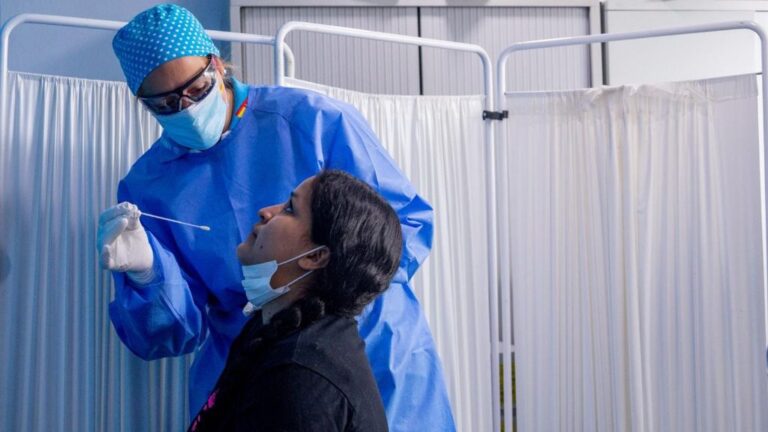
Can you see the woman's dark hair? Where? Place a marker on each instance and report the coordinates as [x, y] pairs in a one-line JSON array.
[[364, 237]]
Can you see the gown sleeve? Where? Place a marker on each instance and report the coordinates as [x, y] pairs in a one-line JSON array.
[[159, 319]]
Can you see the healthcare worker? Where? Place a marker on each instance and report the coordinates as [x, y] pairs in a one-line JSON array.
[[227, 150]]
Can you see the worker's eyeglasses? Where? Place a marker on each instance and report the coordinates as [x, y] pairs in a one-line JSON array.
[[198, 87]]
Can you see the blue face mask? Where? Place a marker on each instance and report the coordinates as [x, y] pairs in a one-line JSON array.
[[256, 282], [199, 126]]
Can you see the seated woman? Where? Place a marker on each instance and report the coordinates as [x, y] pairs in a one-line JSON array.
[[299, 363]]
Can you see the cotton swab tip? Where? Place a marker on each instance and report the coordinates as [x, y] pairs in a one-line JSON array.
[[201, 227]]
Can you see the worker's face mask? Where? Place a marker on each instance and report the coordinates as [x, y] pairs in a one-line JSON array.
[[257, 277], [199, 126]]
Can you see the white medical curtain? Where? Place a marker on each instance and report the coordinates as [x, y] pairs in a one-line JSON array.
[[67, 144], [438, 142], [632, 220]]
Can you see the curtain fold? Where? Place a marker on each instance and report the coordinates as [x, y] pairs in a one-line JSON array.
[[438, 142], [632, 220], [68, 143]]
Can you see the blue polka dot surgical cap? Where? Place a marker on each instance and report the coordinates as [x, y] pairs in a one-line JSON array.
[[155, 36]]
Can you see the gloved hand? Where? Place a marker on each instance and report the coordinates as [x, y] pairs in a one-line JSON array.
[[123, 244]]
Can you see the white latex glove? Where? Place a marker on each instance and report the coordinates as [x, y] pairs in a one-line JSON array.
[[123, 244]]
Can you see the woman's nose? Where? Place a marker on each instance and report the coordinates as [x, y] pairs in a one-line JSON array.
[[268, 212], [265, 215]]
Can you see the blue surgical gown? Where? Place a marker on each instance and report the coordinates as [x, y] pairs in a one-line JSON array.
[[283, 136]]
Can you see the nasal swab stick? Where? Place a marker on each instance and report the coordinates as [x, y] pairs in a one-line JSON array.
[[202, 227]]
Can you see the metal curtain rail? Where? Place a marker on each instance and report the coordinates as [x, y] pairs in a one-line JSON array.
[[507, 347], [291, 26], [66, 21]]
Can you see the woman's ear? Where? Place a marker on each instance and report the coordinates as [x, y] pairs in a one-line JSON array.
[[219, 65], [316, 260]]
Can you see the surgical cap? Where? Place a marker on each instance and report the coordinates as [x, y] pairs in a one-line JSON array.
[[155, 36]]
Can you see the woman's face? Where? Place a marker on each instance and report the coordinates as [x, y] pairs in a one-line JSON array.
[[282, 233]]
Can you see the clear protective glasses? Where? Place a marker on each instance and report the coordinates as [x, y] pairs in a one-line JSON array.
[[194, 90]]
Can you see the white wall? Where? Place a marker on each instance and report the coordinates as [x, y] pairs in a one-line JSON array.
[[80, 52], [680, 58]]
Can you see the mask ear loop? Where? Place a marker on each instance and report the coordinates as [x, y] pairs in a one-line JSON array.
[[287, 286], [301, 255]]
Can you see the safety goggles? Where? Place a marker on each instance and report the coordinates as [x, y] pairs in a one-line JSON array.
[[194, 90]]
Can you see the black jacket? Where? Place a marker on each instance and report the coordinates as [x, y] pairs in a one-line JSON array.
[[315, 379]]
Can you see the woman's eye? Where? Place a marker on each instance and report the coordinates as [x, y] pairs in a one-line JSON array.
[[167, 102], [197, 90], [288, 207]]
